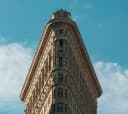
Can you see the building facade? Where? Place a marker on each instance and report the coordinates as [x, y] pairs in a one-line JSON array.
[[61, 78]]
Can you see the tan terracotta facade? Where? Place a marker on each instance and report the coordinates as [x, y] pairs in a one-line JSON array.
[[61, 79]]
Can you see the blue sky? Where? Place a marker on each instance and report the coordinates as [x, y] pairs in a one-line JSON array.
[[104, 27]]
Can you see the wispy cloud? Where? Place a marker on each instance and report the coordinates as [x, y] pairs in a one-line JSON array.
[[14, 62], [100, 25], [114, 80], [87, 6], [2, 39], [82, 5], [76, 18]]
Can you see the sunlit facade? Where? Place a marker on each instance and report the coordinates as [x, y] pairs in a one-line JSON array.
[[61, 78]]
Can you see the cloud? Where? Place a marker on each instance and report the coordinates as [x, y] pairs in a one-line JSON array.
[[15, 60], [14, 63], [82, 5], [76, 18], [87, 6], [114, 80], [100, 26], [2, 39]]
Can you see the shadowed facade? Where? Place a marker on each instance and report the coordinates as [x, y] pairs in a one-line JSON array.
[[61, 78]]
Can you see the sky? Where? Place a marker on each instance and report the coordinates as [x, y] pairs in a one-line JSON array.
[[103, 25]]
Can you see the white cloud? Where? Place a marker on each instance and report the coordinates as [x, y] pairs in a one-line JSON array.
[[114, 80], [14, 62]]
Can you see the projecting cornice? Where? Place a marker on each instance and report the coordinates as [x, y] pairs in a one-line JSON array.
[[40, 49]]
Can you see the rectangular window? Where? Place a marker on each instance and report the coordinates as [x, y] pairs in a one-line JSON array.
[[65, 79], [61, 45], [54, 80], [60, 92], [60, 78], [61, 31], [65, 107], [60, 107], [53, 108], [60, 61], [66, 93], [54, 93]]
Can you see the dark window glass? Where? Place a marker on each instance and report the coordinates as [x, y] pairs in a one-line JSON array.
[[61, 45], [54, 79], [60, 92], [65, 107], [60, 61], [65, 79], [66, 93], [53, 108], [60, 78], [54, 93], [61, 31], [60, 107]]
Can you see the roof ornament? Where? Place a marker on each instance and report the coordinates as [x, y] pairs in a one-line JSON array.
[[61, 14]]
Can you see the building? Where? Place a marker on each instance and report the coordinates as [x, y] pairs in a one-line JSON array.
[[61, 78]]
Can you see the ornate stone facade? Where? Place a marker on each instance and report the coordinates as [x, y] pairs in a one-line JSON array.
[[61, 79]]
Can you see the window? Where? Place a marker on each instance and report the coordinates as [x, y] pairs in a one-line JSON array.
[[61, 31], [60, 92], [60, 61], [53, 107], [60, 107], [65, 107], [60, 78], [66, 93], [61, 45], [65, 79], [54, 93]]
